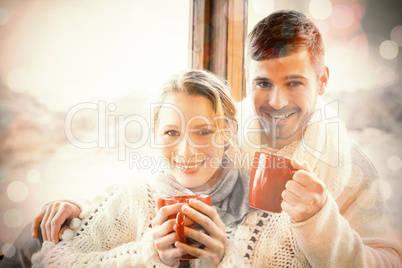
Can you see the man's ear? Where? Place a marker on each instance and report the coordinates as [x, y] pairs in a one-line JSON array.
[[323, 80]]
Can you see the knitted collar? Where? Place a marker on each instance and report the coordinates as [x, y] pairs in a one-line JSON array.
[[229, 194], [325, 145]]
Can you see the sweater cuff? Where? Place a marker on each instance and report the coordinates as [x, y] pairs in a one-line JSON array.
[[314, 223]]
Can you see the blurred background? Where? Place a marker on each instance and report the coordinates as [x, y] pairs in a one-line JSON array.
[[77, 77]]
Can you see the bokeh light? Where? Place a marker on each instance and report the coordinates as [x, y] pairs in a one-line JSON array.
[[388, 49], [61, 61], [17, 191], [383, 187], [365, 80], [359, 11], [4, 16], [262, 7], [384, 76], [323, 26], [8, 250], [394, 163], [320, 9], [342, 16], [13, 218], [4, 172], [33, 176], [358, 47], [396, 35], [18, 79]]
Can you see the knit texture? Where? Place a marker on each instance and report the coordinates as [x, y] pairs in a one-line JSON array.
[[116, 234], [349, 231]]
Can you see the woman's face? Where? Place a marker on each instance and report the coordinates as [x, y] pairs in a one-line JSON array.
[[190, 140]]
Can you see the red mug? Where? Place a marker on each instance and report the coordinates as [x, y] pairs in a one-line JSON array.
[[269, 175], [180, 217]]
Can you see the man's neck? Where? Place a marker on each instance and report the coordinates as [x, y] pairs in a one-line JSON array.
[[278, 144]]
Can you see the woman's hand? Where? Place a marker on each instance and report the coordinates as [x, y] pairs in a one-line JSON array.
[[54, 219], [163, 233], [305, 195], [214, 240]]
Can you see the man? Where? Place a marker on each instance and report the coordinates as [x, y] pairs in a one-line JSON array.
[[334, 201]]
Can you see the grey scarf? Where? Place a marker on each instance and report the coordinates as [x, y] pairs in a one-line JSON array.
[[229, 194]]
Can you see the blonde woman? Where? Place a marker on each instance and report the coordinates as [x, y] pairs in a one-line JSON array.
[[193, 127]]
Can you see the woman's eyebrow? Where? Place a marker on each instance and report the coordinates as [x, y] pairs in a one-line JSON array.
[[202, 126], [169, 126]]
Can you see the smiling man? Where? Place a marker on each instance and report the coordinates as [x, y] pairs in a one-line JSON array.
[[284, 91], [333, 207]]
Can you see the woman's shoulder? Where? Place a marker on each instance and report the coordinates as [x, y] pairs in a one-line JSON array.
[[133, 188]]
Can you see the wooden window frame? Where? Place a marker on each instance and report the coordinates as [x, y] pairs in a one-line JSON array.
[[218, 30]]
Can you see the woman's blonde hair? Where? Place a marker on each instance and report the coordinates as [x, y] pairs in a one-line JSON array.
[[215, 89]]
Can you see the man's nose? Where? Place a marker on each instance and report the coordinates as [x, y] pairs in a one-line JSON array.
[[278, 99]]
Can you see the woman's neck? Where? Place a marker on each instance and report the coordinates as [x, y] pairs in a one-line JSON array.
[[209, 184]]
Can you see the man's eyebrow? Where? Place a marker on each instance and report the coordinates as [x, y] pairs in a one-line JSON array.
[[260, 78], [295, 76]]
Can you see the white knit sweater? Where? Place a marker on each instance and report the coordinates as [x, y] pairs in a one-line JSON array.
[[349, 231], [117, 234], [345, 233]]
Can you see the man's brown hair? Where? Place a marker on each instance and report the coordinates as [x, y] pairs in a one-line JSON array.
[[283, 33]]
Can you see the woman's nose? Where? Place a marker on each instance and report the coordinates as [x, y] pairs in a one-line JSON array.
[[185, 148], [278, 99]]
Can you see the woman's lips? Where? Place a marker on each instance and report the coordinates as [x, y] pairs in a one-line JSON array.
[[189, 168]]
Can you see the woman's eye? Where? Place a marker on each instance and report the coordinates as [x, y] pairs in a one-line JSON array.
[[172, 132], [205, 131]]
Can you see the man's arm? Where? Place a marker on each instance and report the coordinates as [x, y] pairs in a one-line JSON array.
[[351, 231]]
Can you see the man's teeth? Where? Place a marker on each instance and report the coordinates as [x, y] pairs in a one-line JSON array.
[[280, 117]]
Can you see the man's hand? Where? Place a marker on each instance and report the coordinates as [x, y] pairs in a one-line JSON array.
[[305, 195], [54, 219]]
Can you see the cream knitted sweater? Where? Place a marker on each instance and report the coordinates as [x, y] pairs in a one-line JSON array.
[[116, 234], [349, 231], [345, 233]]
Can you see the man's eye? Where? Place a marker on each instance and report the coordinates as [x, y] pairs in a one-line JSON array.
[[295, 84], [172, 133], [205, 131], [264, 84]]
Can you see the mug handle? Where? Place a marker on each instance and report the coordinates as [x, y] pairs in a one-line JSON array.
[[180, 227]]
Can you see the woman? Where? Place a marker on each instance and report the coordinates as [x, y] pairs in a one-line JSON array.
[[193, 127]]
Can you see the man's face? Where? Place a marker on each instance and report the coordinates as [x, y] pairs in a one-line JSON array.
[[284, 92]]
